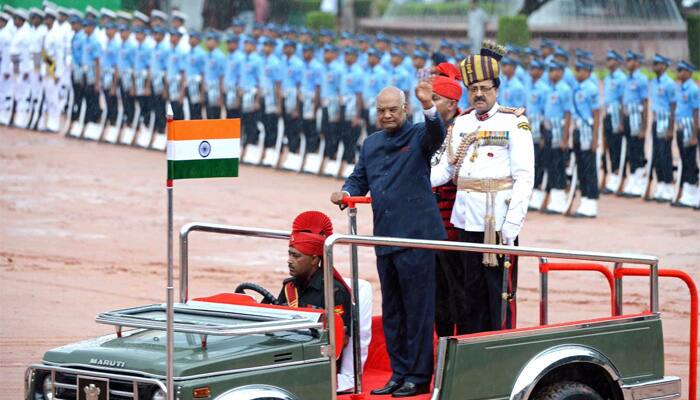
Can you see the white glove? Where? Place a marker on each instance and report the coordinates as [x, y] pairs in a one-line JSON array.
[[509, 231]]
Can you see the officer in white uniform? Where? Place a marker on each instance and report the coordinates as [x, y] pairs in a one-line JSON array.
[[23, 66], [6, 85], [36, 17], [52, 71], [490, 157]]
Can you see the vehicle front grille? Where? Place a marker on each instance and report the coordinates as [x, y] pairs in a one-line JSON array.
[[66, 388]]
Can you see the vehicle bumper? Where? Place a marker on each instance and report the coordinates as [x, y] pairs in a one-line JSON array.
[[669, 387]]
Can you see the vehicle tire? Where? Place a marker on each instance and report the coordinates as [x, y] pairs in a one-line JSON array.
[[568, 391]]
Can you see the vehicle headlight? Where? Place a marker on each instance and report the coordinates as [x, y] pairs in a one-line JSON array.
[[158, 395], [47, 388]]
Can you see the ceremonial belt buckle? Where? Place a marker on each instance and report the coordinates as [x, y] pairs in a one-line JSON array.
[[490, 185]]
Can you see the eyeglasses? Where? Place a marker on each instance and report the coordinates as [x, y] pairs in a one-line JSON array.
[[482, 89]]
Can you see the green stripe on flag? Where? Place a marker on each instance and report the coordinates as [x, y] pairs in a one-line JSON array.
[[213, 168]]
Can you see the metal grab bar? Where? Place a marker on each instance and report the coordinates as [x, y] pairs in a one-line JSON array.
[[692, 288], [546, 266]]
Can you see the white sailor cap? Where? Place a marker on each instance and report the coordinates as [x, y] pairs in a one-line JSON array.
[[8, 9], [90, 10], [49, 4], [159, 14], [141, 16], [50, 12], [36, 11], [63, 10], [5, 16], [124, 15], [21, 13], [106, 12], [180, 15], [73, 12]]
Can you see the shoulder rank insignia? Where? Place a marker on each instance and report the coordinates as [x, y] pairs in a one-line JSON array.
[[467, 111], [524, 126], [511, 110]]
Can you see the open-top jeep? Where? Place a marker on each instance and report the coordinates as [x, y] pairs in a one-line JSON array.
[[229, 347]]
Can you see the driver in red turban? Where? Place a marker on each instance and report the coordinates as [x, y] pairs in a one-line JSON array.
[[305, 286]]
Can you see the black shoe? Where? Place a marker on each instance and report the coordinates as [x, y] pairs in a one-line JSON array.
[[411, 389], [389, 388]]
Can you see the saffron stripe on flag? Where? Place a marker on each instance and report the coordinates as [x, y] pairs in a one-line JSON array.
[[210, 168], [205, 129]]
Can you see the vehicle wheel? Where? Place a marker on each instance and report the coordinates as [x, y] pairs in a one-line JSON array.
[[568, 391], [268, 298]]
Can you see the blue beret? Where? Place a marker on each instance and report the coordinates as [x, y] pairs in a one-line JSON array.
[[686, 66], [363, 38], [75, 19], [89, 22], [307, 47], [547, 44], [268, 41], [212, 35], [559, 51], [381, 37], [659, 59], [110, 25], [511, 48], [584, 64], [508, 61], [399, 41], [373, 52], [232, 37], [554, 64], [123, 27], [631, 55], [397, 53], [330, 47], [580, 53], [537, 64], [350, 50], [445, 43], [421, 43], [290, 43], [613, 55], [248, 39], [420, 54], [346, 36]]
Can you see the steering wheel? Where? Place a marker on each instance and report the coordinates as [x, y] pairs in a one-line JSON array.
[[268, 298]]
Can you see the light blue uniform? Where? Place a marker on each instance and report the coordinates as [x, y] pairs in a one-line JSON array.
[[292, 69], [376, 79], [663, 94], [125, 64], [569, 78], [176, 61], [91, 50], [214, 66], [399, 77], [310, 81], [512, 92], [636, 91], [559, 102], [271, 75], [330, 89], [194, 73], [536, 101], [109, 60], [158, 66], [142, 61], [77, 44], [249, 80], [613, 88], [687, 102], [232, 73], [586, 100], [351, 85]]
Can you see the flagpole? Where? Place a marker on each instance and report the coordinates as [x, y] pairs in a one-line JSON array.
[[170, 289]]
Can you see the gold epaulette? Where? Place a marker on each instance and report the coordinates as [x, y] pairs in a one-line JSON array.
[[518, 112], [467, 111]]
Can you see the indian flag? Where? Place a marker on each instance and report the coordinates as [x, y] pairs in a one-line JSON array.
[[203, 148]]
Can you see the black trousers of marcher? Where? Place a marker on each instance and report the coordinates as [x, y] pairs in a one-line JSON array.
[[129, 104], [145, 104], [331, 134], [292, 129], [689, 173], [112, 107], [556, 164], [249, 120], [662, 158], [635, 148], [450, 294], [195, 110], [484, 287], [233, 113], [271, 123], [93, 112], [407, 280], [614, 144], [78, 94], [349, 135], [214, 111], [313, 139], [541, 159], [158, 104], [178, 110], [587, 170]]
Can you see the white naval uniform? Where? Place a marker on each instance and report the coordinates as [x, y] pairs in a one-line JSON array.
[[20, 51], [54, 43], [6, 75], [495, 159], [67, 76], [37, 88]]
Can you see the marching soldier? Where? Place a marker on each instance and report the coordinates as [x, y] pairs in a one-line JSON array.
[[174, 73], [562, 56], [271, 92], [376, 78], [142, 86], [635, 100], [91, 64], [489, 156], [248, 84], [586, 105], [330, 101], [232, 70], [38, 31], [109, 60], [6, 86], [557, 119], [158, 68], [512, 89], [293, 72], [125, 70], [53, 58], [536, 102], [351, 85], [214, 66], [613, 128], [310, 98], [23, 66], [398, 75], [663, 108], [688, 126], [178, 24], [194, 72]]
